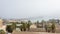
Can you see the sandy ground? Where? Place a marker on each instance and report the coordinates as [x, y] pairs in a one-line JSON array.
[[33, 33]]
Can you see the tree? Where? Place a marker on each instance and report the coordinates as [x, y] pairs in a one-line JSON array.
[[43, 22], [49, 28], [37, 23], [13, 25], [23, 26], [2, 32], [9, 28], [53, 27], [46, 27], [28, 25]]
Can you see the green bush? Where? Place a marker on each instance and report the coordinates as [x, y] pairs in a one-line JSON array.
[[2, 32], [28, 25], [48, 28], [13, 26], [53, 27], [23, 26], [9, 28]]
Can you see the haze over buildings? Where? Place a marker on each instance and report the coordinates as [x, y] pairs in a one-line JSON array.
[[29, 8]]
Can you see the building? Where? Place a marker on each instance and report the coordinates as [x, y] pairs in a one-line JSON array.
[[2, 27]]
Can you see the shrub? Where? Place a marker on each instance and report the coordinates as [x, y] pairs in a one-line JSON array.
[[53, 27], [48, 28], [28, 25], [9, 29], [2, 32], [13, 26], [23, 26]]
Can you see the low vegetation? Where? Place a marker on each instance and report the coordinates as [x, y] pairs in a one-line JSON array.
[[23, 27], [2, 32], [50, 28], [26, 26], [53, 27]]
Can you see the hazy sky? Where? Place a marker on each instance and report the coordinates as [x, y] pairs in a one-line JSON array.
[[29, 8]]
